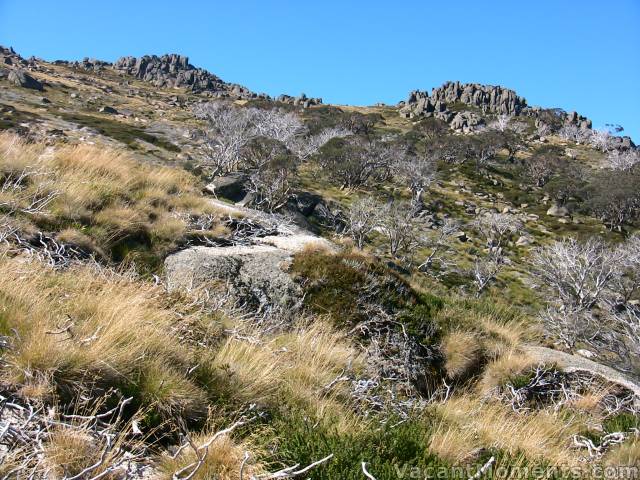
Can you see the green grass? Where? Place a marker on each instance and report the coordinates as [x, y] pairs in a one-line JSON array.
[[387, 449], [335, 284], [127, 134]]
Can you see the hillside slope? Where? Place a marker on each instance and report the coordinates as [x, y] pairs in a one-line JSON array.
[[201, 282]]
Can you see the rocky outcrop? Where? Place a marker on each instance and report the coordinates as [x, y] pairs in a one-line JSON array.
[[253, 273], [488, 98], [302, 100], [90, 64], [575, 363], [580, 121], [175, 71], [9, 57], [466, 122], [20, 78]]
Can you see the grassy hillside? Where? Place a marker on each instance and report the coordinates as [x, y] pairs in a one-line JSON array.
[[408, 346]]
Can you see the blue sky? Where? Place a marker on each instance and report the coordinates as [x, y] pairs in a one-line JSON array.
[[580, 55]]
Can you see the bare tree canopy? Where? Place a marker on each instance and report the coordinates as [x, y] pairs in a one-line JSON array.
[[595, 288]]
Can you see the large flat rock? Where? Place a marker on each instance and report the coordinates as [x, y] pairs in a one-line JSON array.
[[256, 273]]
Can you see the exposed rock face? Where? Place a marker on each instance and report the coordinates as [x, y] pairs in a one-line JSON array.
[[232, 186], [557, 211], [574, 119], [466, 121], [175, 71], [255, 273], [574, 363], [8, 56], [622, 143], [21, 78], [302, 100], [489, 98], [108, 109]]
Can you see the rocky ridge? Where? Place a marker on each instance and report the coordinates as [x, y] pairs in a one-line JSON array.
[[174, 70], [488, 99]]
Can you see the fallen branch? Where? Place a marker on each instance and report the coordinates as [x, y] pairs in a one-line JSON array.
[[291, 472], [366, 473], [483, 469]]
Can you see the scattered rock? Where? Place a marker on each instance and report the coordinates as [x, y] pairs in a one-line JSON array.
[[524, 241], [558, 211], [461, 236], [107, 109], [586, 353], [22, 79], [255, 273], [231, 187]]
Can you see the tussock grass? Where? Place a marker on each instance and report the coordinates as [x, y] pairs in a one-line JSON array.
[[108, 202], [222, 459], [496, 328], [86, 326], [463, 353], [625, 455], [504, 369], [291, 369], [469, 424]]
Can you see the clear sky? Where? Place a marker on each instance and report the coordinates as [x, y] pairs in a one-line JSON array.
[[579, 55]]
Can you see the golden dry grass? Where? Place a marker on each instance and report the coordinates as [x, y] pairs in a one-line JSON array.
[[468, 424], [85, 326], [462, 352], [291, 369], [501, 370], [625, 455], [103, 194], [68, 452], [222, 460]]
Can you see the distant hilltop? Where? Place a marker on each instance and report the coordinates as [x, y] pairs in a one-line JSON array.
[[463, 106]]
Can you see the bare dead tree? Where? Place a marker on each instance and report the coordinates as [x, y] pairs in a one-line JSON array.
[[271, 187], [277, 124], [485, 272], [353, 162], [574, 133], [417, 172], [229, 129], [569, 326], [622, 160], [501, 123], [595, 288], [308, 146], [542, 165], [362, 219], [439, 241], [578, 272], [399, 225], [600, 139], [496, 228]]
